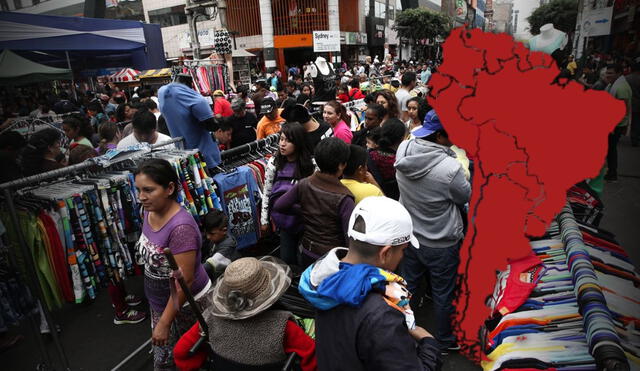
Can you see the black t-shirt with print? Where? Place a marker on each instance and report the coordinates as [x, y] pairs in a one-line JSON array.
[[314, 137]]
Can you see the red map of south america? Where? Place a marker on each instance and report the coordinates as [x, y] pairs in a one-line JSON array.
[[531, 137]]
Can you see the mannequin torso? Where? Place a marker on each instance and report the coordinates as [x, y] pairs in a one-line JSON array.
[[323, 80], [549, 39]]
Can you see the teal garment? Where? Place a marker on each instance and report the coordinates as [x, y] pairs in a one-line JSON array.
[[40, 259], [597, 183], [556, 44]]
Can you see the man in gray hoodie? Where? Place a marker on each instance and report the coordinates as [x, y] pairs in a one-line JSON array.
[[433, 188]]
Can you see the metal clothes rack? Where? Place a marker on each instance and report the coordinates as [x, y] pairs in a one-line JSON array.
[[26, 121], [33, 283], [255, 146]]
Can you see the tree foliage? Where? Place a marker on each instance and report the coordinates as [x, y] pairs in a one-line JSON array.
[[421, 24], [562, 13]]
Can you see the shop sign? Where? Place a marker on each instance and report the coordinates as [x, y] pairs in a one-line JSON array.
[[597, 22], [326, 41], [461, 9], [204, 36]]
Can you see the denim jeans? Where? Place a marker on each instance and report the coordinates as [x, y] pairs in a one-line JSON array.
[[441, 266]]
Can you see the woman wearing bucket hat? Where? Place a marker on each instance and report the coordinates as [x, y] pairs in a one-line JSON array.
[[244, 332]]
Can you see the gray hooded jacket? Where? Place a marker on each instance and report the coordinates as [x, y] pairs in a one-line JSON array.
[[432, 183]]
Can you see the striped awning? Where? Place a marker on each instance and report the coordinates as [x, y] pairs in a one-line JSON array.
[[148, 74], [125, 75]]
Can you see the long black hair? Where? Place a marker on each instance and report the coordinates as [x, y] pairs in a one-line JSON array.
[[295, 134], [161, 172]]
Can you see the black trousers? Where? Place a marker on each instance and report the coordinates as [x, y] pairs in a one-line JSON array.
[[612, 153]]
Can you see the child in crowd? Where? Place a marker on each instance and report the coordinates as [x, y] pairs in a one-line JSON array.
[[343, 93], [324, 203], [292, 163], [357, 178], [220, 248]]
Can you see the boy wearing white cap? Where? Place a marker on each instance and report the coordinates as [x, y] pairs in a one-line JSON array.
[[364, 321]]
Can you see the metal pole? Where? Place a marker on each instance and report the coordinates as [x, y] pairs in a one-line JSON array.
[[73, 81], [35, 287]]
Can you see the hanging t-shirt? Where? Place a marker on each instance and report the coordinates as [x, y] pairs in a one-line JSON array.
[[324, 84], [237, 191], [183, 109]]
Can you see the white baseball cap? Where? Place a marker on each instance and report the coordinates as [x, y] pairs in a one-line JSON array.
[[387, 222]]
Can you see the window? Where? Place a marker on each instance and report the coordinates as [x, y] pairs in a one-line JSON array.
[[168, 16], [380, 10]]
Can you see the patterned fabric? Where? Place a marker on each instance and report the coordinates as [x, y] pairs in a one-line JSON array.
[[222, 41]]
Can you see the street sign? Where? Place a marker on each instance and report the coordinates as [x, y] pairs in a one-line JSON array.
[[326, 41], [597, 22]]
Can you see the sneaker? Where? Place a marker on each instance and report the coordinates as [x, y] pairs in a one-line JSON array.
[[132, 300], [455, 347], [129, 317]]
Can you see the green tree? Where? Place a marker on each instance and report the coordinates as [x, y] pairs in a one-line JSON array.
[[562, 13], [419, 23]]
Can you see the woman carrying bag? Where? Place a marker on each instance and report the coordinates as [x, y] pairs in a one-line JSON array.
[[168, 225]]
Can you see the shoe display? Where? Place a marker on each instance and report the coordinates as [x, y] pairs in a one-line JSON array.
[[129, 317]]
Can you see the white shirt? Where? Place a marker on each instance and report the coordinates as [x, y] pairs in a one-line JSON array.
[[130, 140]]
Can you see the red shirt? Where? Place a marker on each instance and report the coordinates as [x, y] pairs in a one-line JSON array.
[[222, 107]]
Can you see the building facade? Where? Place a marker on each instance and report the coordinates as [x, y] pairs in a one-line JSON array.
[[279, 32], [503, 16], [114, 9]]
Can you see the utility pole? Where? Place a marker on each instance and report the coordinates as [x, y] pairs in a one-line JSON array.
[[195, 9]]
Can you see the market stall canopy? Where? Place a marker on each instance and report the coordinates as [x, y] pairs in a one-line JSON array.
[[241, 53], [16, 70], [125, 75], [82, 38], [158, 73]]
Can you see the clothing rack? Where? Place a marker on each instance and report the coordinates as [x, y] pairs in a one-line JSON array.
[[32, 122], [33, 283], [262, 146], [604, 343]]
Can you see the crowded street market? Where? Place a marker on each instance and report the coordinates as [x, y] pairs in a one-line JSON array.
[[320, 185]]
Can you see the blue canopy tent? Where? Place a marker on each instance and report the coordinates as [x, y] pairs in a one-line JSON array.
[[92, 42]]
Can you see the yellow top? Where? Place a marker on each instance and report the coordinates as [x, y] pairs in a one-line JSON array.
[[361, 190]]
